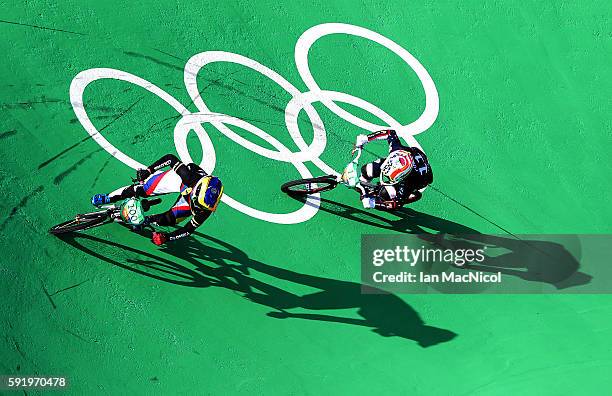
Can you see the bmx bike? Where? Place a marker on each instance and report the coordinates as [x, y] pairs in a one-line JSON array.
[[313, 185], [301, 188], [130, 211]]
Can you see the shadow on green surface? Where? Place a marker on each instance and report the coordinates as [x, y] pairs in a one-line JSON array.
[[531, 260], [216, 263]]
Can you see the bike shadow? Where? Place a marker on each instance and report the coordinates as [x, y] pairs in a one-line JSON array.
[[531, 260], [192, 263]]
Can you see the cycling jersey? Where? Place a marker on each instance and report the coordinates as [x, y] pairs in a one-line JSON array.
[[408, 188], [181, 178]]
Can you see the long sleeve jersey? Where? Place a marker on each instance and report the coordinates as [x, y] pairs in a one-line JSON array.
[[190, 174]]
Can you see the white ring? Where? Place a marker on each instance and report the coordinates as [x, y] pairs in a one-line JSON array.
[[311, 35], [198, 61]]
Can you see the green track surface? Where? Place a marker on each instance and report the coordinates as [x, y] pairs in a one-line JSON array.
[[523, 137]]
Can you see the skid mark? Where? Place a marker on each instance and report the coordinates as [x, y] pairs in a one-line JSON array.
[[4, 135], [152, 59], [18, 349], [61, 153], [23, 202], [58, 179], [42, 27], [70, 287], [93, 183], [30, 103], [47, 162], [48, 295], [75, 335]]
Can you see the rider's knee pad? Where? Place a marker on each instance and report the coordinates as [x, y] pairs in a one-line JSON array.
[[371, 170], [366, 171], [164, 219], [132, 191]]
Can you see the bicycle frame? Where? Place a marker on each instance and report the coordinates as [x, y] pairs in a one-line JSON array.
[[128, 211], [344, 178]]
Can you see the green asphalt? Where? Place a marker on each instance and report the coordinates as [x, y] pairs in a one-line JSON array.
[[522, 142]]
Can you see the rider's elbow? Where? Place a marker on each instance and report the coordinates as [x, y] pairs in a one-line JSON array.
[[173, 158], [415, 196], [368, 203]]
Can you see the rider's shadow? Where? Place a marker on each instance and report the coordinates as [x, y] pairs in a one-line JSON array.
[[219, 264], [531, 260]]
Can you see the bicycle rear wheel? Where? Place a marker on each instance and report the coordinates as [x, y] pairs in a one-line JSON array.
[[310, 186], [80, 222]]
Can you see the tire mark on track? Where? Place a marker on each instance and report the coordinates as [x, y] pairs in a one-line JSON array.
[[169, 54], [60, 177], [4, 135], [70, 287], [30, 104], [47, 162], [48, 295], [76, 335], [100, 171], [58, 155], [42, 27], [152, 59], [23, 202], [18, 349]]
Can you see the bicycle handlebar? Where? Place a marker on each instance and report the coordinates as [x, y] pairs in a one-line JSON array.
[[358, 150], [147, 203]]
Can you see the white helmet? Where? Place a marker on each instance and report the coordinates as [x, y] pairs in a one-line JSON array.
[[396, 167]]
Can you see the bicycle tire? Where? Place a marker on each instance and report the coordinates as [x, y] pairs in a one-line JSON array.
[[305, 186], [80, 222]]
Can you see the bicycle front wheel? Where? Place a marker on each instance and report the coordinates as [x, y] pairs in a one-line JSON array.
[[310, 186], [80, 222]]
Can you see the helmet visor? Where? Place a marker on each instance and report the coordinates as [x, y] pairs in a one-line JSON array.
[[210, 192]]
